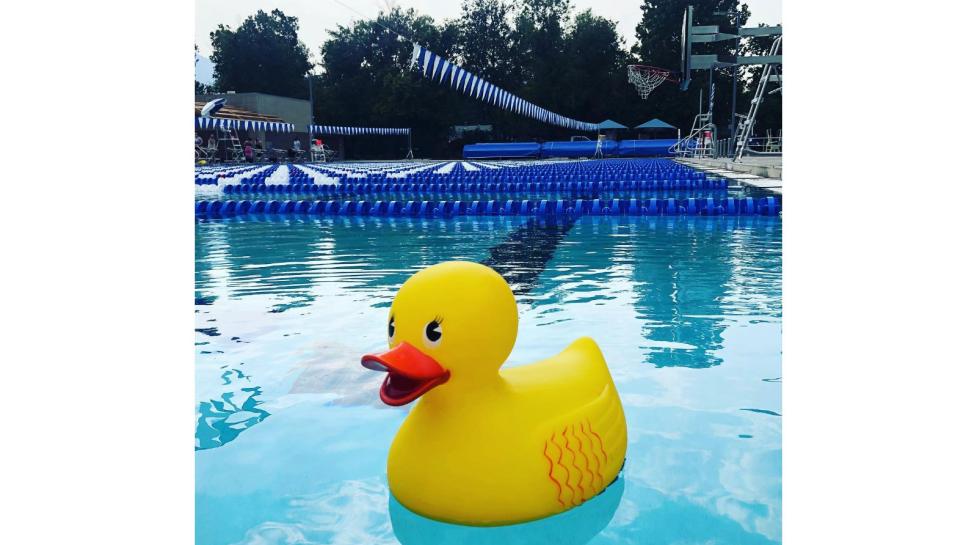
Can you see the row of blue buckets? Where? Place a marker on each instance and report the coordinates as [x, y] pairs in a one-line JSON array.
[[491, 187], [703, 206]]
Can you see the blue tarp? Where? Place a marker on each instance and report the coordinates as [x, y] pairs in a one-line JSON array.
[[645, 148], [577, 149], [501, 150]]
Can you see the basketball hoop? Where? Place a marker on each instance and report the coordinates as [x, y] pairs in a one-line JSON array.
[[646, 78]]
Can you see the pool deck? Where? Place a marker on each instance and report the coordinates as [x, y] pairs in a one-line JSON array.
[[762, 172]]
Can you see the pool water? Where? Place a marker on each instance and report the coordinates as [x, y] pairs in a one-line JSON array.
[[291, 436]]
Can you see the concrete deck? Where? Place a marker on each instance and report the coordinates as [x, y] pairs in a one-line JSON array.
[[762, 172]]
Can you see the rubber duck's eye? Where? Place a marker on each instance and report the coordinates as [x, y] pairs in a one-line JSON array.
[[390, 328], [432, 333]]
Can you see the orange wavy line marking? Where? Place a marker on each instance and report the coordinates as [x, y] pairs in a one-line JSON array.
[[559, 462], [559, 488], [601, 441], [592, 452], [573, 462], [586, 457]]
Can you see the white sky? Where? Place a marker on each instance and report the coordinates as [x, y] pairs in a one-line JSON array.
[[315, 16]]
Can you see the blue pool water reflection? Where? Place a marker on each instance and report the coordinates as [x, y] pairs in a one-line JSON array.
[[292, 438]]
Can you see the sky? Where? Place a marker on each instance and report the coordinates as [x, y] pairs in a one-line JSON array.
[[315, 16]]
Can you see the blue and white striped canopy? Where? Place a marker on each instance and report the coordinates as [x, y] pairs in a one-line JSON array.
[[356, 131], [434, 67], [242, 124]]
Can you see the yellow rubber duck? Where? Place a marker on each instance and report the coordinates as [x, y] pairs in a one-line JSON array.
[[486, 447]]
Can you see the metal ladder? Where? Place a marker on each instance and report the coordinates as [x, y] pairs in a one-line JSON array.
[[745, 127]]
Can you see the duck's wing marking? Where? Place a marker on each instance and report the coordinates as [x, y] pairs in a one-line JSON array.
[[600, 442], [577, 452], [548, 447], [574, 469], [592, 456], [584, 454]]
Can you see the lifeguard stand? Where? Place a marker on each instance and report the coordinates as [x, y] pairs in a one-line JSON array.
[[228, 137]]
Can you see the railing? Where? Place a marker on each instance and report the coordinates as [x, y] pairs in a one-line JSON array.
[[744, 132], [757, 145]]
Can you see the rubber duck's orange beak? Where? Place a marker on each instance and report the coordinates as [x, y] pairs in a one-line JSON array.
[[410, 373]]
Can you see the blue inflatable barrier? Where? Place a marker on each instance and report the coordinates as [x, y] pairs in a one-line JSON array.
[[501, 150], [584, 148], [645, 148], [587, 148]]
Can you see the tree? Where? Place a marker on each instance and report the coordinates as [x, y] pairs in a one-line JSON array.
[[595, 55], [263, 55], [487, 39], [540, 46], [366, 81]]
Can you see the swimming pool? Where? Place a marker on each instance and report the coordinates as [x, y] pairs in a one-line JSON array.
[[292, 438]]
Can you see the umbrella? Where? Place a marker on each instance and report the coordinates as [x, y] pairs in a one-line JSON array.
[[212, 107]]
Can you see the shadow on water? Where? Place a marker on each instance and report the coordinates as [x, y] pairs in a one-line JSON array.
[[524, 254], [675, 304], [574, 527]]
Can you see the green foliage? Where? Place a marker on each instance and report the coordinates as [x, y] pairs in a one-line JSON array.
[[488, 40], [366, 81], [263, 55]]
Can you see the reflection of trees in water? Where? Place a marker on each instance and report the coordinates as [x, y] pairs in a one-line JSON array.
[[680, 271], [288, 257], [207, 249], [757, 269], [374, 254], [687, 271], [273, 258]]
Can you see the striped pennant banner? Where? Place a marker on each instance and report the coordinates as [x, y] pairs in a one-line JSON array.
[[210, 123], [357, 131], [443, 71]]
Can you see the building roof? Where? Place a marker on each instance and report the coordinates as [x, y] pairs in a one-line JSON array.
[[610, 124], [655, 124], [234, 112]]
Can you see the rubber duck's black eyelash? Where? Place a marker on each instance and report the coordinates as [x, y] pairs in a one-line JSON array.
[[439, 319]]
